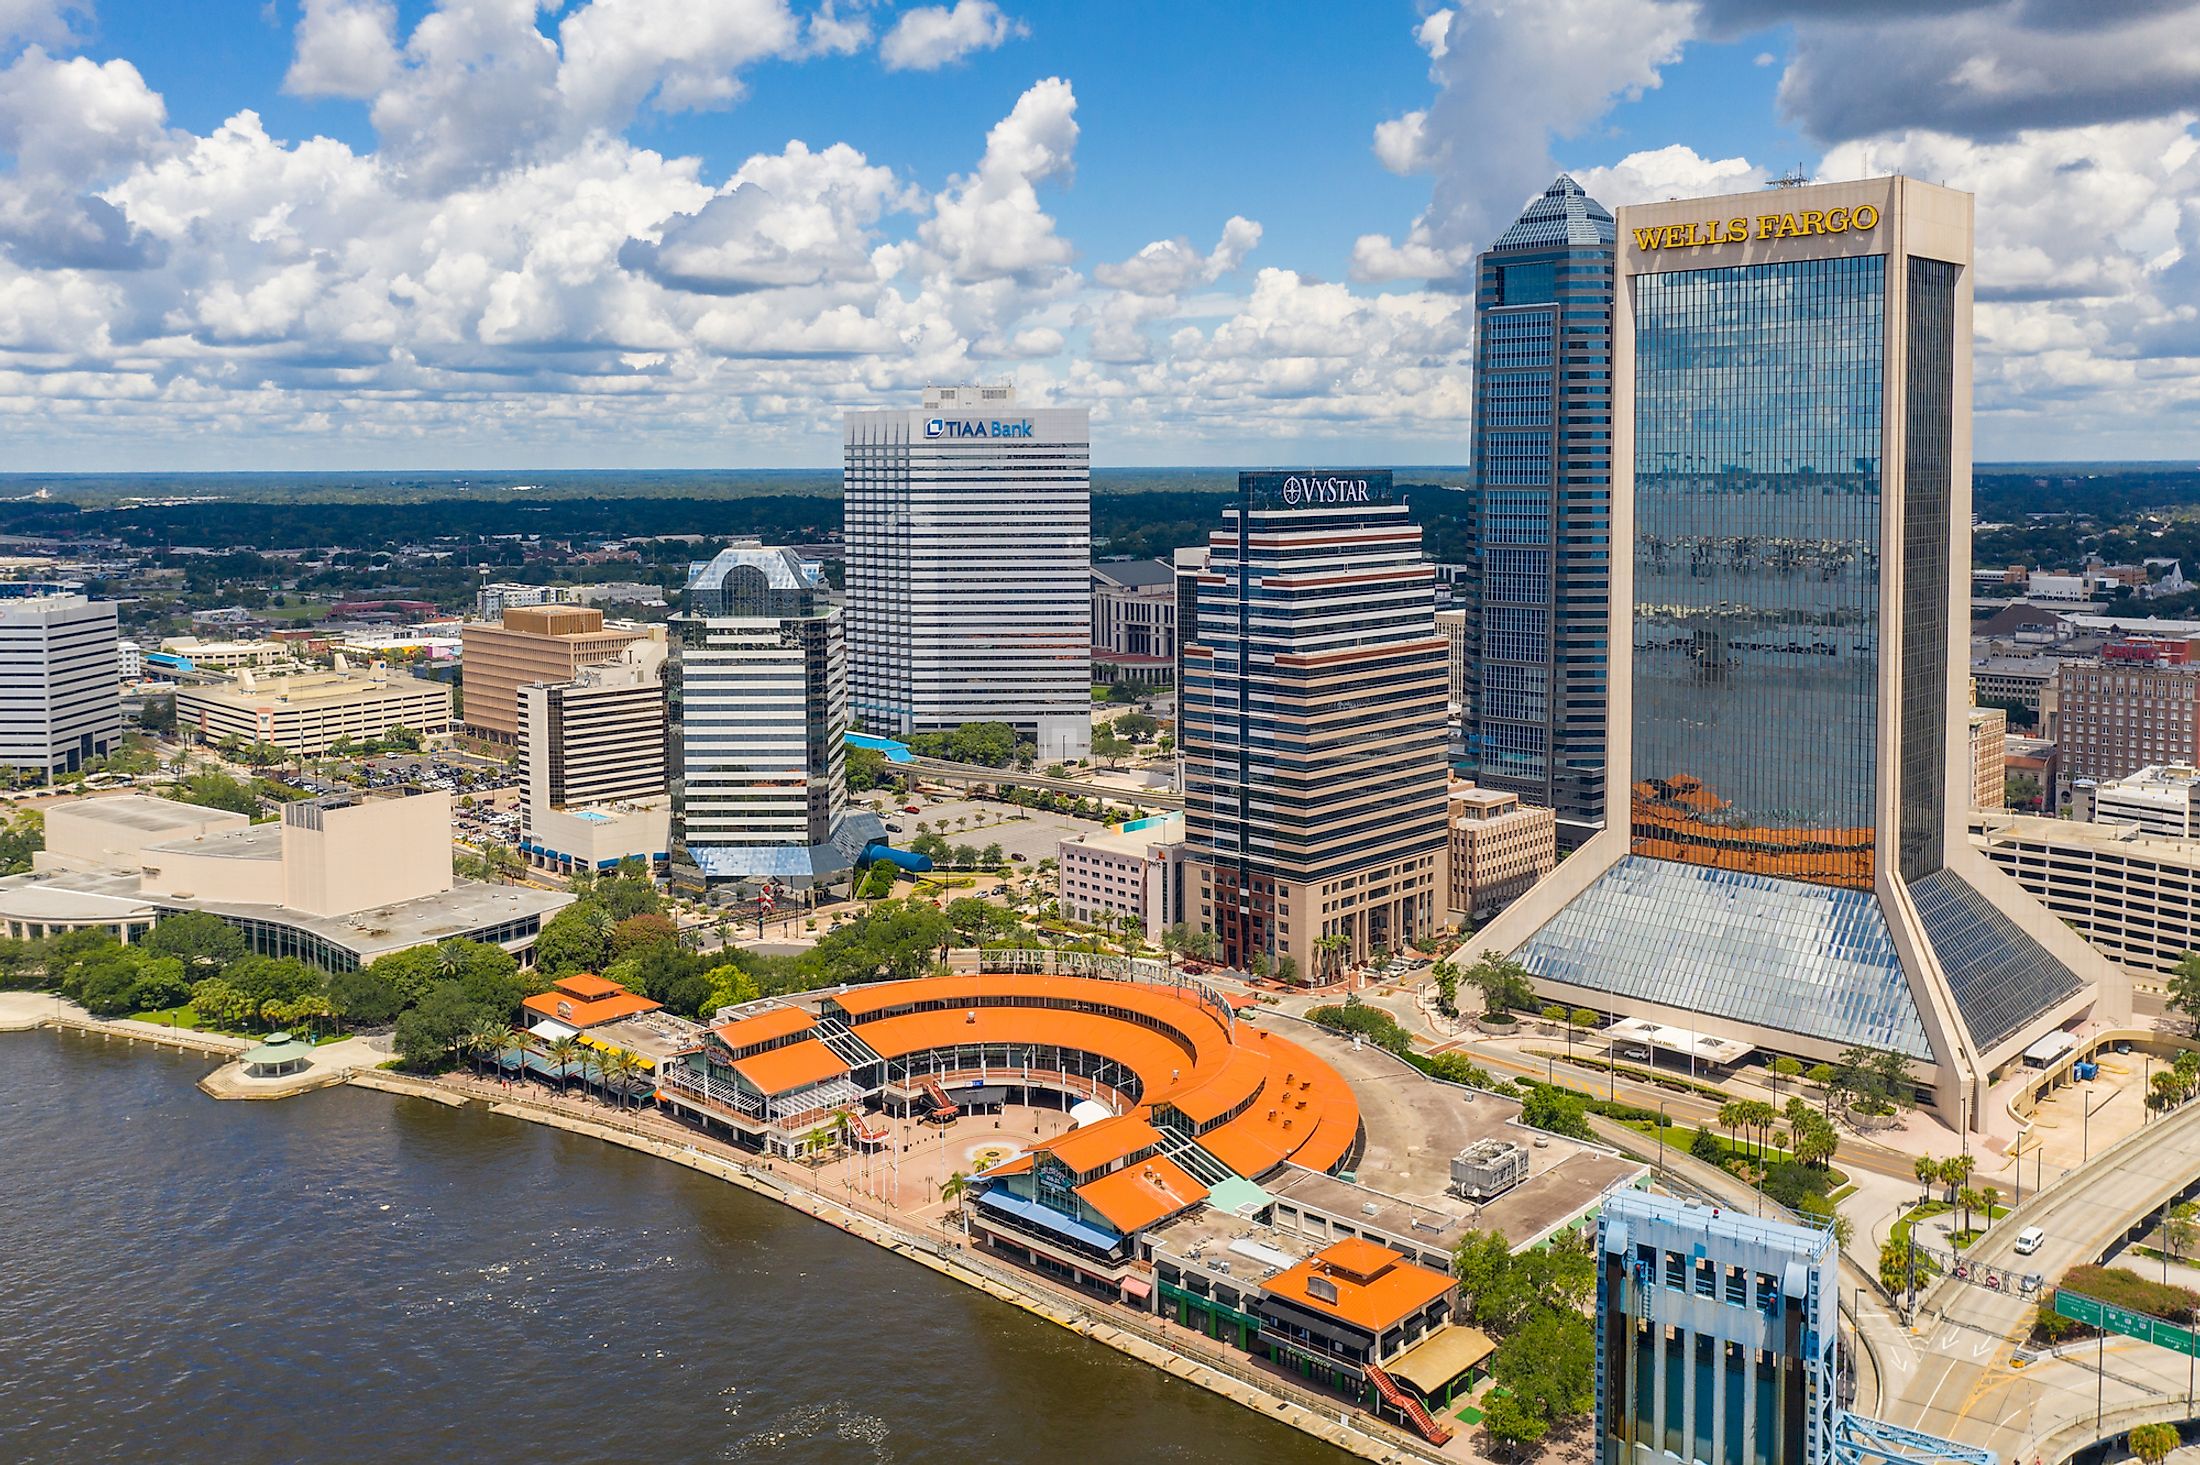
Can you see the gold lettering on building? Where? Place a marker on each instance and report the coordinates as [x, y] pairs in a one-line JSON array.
[[1805, 225]]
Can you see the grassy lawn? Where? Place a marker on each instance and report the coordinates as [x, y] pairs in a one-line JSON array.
[[1926, 1210], [186, 1016]]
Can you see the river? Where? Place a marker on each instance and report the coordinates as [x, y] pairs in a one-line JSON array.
[[360, 1276]]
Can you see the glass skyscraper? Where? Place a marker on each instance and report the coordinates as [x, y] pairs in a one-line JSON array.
[[757, 708], [1793, 485], [1538, 590]]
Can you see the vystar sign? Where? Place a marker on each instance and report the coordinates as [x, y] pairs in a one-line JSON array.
[[1301, 489], [1810, 223], [944, 427]]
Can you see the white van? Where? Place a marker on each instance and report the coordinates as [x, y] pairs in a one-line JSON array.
[[2029, 1239]]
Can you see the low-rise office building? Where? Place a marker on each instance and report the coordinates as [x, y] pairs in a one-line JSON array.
[[194, 654], [336, 883], [537, 643], [310, 713], [1133, 621], [2158, 801], [1989, 747], [1130, 874], [1499, 848]]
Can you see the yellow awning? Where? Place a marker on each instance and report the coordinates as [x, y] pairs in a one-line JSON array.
[[1441, 1357]]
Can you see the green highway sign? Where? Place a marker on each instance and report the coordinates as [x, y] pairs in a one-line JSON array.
[[2109, 1318]]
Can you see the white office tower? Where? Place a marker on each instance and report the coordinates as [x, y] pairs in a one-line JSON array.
[[759, 714], [60, 689], [969, 530]]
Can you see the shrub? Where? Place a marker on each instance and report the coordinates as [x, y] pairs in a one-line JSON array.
[[1706, 1147]]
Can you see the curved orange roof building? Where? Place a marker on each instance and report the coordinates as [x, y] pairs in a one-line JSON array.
[[1184, 1066]]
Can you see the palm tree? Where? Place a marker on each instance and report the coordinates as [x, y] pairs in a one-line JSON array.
[[1927, 1170], [954, 1188], [1954, 1171], [564, 1052], [1967, 1201], [497, 1039]]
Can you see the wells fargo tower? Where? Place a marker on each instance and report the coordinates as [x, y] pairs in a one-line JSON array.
[[1791, 510]]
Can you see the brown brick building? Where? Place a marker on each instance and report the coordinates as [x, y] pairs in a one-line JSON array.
[[536, 643], [2117, 719]]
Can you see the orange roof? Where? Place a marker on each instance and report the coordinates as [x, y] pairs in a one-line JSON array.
[[1139, 1195], [1369, 1303], [1300, 1110], [587, 984], [762, 1027], [1237, 1079], [785, 1069], [1356, 1256], [1103, 1143], [583, 1012], [1304, 1113]]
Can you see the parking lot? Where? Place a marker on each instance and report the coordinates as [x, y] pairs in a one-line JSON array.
[[1018, 831]]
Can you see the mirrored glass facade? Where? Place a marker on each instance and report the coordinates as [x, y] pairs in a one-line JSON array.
[[1537, 591], [1758, 408]]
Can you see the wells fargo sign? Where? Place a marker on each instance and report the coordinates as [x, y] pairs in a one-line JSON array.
[[1811, 222]]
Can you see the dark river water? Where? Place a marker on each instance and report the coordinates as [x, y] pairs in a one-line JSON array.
[[361, 1277]]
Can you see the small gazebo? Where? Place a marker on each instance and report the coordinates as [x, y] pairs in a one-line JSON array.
[[280, 1054]]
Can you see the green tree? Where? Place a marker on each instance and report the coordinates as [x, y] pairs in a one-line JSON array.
[[2152, 1443], [363, 997], [576, 939], [203, 942], [1552, 1108], [2184, 988], [1108, 745], [893, 940], [428, 1031], [1786, 1070], [411, 973], [1446, 978], [2180, 1232], [1503, 983], [640, 932], [21, 837], [1954, 1172], [1550, 1366], [866, 768], [1927, 1170]]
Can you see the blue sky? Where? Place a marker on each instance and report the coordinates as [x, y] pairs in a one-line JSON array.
[[688, 232]]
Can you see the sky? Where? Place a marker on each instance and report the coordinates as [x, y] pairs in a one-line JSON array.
[[361, 234]]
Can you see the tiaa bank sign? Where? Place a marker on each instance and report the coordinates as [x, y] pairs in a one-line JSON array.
[[957, 427], [1315, 489]]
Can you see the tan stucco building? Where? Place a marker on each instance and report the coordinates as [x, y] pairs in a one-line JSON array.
[[309, 713], [1499, 848], [535, 643]]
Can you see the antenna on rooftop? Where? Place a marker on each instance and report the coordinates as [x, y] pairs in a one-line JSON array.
[[1794, 177]]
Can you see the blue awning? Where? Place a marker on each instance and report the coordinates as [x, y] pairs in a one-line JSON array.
[[1046, 1218]]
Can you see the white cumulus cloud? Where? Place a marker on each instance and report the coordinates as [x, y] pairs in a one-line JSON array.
[[932, 36]]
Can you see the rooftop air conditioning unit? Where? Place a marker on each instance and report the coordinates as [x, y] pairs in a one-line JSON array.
[[1488, 1168]]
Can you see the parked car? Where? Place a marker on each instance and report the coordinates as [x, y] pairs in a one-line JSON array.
[[893, 829], [912, 809], [1640, 1055], [1018, 858]]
